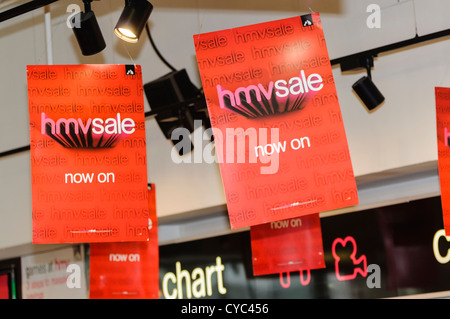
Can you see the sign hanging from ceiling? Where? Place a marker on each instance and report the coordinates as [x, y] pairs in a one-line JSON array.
[[287, 245], [277, 125], [443, 142], [111, 263], [88, 154]]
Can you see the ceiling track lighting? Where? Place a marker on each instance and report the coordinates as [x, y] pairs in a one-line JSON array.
[[129, 27], [133, 20], [364, 87], [87, 31], [367, 90], [176, 103]]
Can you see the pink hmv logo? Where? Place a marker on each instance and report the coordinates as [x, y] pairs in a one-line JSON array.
[[358, 265], [348, 263]]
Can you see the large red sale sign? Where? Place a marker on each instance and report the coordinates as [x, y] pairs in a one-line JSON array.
[[277, 125], [88, 154]]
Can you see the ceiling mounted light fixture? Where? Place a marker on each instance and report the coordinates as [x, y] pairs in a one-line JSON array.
[[366, 89], [368, 92], [87, 31], [133, 19], [177, 103]]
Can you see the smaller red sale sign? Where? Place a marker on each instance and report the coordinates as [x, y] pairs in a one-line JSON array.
[[127, 270], [443, 139], [287, 245], [4, 288]]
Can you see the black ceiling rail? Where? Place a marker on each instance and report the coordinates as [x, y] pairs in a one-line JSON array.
[[15, 151], [357, 60], [24, 8]]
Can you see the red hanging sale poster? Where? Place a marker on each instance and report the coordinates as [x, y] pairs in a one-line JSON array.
[[277, 125], [4, 287], [287, 245], [443, 143], [127, 270], [88, 154]]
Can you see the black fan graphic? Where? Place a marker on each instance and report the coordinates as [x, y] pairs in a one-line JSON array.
[[72, 139], [264, 107]]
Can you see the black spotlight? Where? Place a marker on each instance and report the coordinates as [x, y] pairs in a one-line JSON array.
[[133, 19], [366, 89], [177, 103], [368, 92], [87, 31]]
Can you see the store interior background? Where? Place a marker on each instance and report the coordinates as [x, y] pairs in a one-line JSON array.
[[393, 149]]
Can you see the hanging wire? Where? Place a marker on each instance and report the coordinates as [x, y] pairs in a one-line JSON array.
[[156, 49]]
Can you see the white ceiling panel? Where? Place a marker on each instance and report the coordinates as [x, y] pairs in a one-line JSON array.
[[432, 16]]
